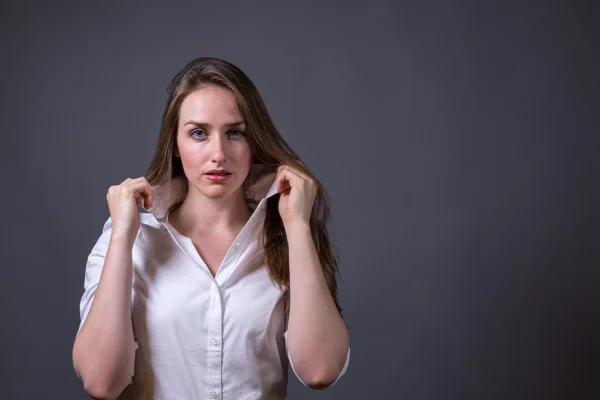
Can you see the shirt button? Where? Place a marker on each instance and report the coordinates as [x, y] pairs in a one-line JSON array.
[[214, 342], [214, 395], [237, 245]]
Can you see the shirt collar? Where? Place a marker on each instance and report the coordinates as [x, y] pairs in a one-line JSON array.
[[259, 185]]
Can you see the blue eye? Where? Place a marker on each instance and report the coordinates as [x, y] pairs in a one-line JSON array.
[[197, 130], [236, 131]]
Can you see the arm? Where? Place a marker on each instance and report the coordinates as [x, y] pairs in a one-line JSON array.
[[104, 349], [318, 339]]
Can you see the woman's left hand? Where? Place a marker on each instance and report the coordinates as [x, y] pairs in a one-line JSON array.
[[298, 193]]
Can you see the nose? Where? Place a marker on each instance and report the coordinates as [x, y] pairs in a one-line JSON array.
[[218, 150]]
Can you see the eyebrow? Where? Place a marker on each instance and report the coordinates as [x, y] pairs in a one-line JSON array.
[[198, 123]]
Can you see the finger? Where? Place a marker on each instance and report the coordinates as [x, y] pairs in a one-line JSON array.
[[283, 181], [141, 181], [300, 174], [139, 199], [149, 194], [143, 189], [295, 171]]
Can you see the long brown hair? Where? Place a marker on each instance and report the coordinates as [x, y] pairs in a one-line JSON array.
[[268, 148]]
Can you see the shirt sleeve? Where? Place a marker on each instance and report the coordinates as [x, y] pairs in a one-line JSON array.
[[93, 270], [287, 315]]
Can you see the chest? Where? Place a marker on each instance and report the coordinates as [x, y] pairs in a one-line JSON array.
[[176, 303], [213, 250], [178, 306]]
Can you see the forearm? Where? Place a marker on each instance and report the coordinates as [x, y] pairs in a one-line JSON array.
[[104, 352], [317, 336]]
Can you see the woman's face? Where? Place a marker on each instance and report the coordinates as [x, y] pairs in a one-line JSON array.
[[211, 135]]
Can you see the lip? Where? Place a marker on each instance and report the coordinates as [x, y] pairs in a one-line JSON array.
[[217, 178], [217, 171]]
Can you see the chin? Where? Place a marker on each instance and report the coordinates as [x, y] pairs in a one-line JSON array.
[[220, 190], [217, 193]]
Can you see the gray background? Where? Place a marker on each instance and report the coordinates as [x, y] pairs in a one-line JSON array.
[[459, 143]]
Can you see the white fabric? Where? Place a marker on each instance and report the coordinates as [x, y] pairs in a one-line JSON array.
[[200, 337]]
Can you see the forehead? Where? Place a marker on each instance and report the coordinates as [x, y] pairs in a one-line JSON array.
[[211, 105]]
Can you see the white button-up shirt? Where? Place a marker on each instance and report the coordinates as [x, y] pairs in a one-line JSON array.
[[199, 336]]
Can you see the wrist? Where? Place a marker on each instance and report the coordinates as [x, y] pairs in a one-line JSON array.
[[296, 226], [122, 237]]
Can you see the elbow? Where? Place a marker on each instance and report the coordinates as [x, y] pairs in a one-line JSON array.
[[96, 384], [104, 374], [100, 388], [321, 381], [320, 378], [98, 391], [319, 372], [319, 384], [323, 374]]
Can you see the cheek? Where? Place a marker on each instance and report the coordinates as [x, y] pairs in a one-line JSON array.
[[243, 153], [189, 151], [190, 156]]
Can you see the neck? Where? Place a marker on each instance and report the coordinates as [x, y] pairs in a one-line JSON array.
[[200, 215]]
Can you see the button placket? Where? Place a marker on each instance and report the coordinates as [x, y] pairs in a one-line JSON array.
[[213, 353]]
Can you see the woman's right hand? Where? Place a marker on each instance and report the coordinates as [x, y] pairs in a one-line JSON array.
[[123, 201]]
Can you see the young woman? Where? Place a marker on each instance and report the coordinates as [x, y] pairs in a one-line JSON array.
[[228, 276]]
